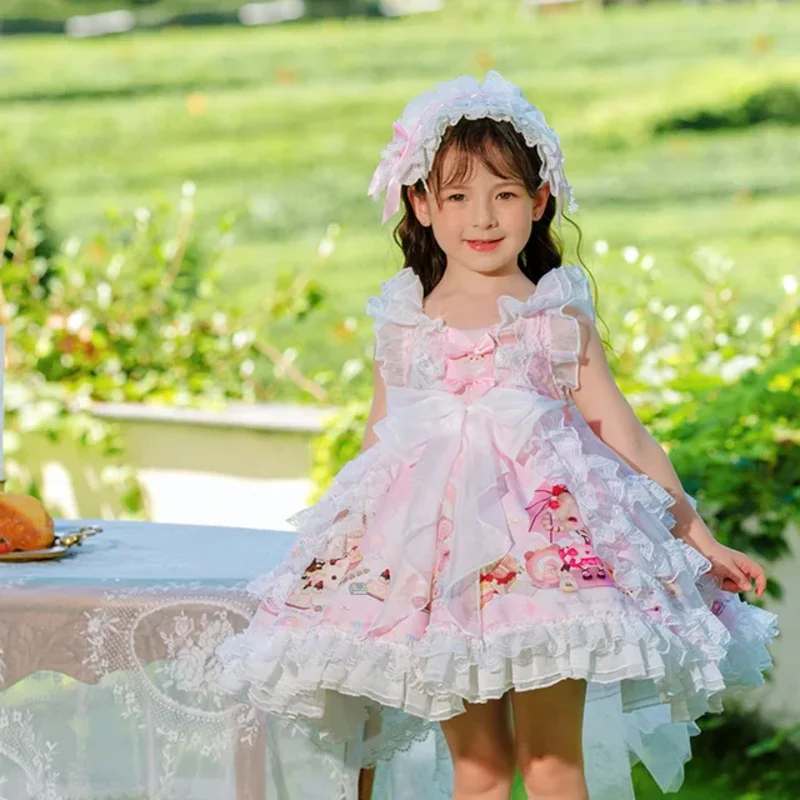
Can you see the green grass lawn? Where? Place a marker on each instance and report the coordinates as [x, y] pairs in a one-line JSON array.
[[286, 124]]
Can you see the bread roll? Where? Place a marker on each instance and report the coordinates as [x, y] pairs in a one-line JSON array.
[[24, 523]]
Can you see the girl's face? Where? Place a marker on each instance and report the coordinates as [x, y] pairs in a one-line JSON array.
[[483, 221]]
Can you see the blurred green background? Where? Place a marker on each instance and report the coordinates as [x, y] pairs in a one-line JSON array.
[[679, 123], [285, 124]]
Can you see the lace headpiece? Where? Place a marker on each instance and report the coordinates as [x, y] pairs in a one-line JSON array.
[[418, 134]]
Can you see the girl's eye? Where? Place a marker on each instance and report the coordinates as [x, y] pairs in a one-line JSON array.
[[505, 195], [456, 197]]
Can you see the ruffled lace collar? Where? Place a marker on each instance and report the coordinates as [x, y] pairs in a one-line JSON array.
[[402, 295]]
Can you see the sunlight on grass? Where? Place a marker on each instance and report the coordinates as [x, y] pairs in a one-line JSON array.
[[285, 126]]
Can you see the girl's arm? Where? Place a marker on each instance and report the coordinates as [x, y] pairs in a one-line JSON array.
[[610, 416], [378, 409]]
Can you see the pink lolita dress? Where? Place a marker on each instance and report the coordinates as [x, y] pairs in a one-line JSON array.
[[490, 540]]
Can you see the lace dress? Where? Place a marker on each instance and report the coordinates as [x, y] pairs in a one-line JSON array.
[[490, 540]]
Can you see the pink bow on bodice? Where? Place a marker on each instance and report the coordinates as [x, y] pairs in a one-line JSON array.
[[469, 366]]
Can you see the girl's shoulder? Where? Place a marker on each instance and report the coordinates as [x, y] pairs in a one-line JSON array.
[[400, 300]]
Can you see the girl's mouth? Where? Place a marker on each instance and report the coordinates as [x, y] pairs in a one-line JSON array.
[[483, 245]]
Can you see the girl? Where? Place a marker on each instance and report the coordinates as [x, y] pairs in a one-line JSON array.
[[511, 563]]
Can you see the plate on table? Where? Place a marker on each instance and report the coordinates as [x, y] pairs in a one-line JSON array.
[[64, 542]]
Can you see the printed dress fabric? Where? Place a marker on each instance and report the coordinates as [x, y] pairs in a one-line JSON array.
[[489, 540]]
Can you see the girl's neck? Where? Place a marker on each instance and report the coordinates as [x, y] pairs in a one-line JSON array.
[[468, 283]]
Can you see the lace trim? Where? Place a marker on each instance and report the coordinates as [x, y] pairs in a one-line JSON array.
[[401, 298], [681, 651]]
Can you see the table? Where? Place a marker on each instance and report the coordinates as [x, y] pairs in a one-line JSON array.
[[108, 685], [108, 667]]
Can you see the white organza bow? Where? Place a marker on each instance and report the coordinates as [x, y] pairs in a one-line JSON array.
[[444, 426]]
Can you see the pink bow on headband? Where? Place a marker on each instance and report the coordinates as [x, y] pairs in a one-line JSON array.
[[394, 186]]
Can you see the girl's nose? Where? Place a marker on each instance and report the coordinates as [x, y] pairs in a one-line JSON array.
[[484, 214]]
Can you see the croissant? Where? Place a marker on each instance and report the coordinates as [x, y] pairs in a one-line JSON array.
[[24, 523]]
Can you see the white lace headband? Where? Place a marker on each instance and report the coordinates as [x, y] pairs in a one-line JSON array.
[[418, 133]]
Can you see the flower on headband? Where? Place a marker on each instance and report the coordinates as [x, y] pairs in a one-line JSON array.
[[418, 133]]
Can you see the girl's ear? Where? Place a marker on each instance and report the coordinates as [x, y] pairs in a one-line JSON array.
[[420, 203], [540, 201]]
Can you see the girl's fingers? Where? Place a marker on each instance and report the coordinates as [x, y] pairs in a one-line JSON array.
[[761, 582], [738, 577], [755, 572]]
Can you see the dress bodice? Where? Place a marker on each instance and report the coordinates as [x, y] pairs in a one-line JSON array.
[[534, 345]]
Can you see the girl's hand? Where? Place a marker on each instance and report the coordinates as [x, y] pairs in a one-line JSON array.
[[733, 569]]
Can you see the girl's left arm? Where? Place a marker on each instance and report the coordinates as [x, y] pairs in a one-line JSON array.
[[608, 413]]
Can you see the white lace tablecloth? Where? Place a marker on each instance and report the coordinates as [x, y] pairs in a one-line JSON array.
[[108, 668]]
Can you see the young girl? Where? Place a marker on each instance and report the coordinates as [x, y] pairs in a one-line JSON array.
[[511, 562]]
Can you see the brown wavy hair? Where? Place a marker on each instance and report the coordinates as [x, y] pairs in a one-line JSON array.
[[505, 153]]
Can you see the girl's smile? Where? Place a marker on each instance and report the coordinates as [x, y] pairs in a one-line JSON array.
[[484, 245]]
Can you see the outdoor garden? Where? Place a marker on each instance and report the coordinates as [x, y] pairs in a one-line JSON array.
[[184, 220]]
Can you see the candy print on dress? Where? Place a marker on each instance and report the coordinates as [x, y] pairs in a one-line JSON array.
[[499, 578], [569, 560]]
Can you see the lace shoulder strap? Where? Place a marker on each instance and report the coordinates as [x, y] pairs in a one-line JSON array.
[[396, 310], [399, 301], [572, 296]]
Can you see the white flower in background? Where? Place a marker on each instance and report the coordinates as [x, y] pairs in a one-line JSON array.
[[654, 305], [630, 254], [630, 318], [289, 356], [76, 320], [328, 242], [352, 368], [639, 343], [71, 246], [726, 294], [743, 324], [188, 191], [104, 294], [669, 351], [350, 324], [693, 313], [789, 284], [242, 339], [670, 312], [721, 339], [114, 269], [601, 247], [218, 322], [651, 374], [185, 324], [767, 327], [711, 363], [647, 263], [671, 396], [680, 330], [248, 368], [733, 369], [142, 217]]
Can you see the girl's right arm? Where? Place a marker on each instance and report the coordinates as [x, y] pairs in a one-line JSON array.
[[378, 408]]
